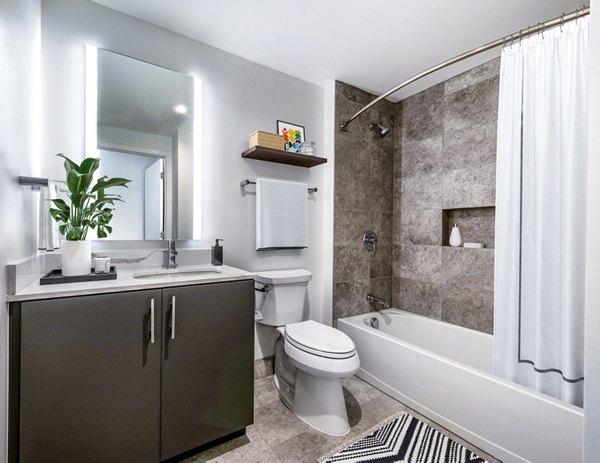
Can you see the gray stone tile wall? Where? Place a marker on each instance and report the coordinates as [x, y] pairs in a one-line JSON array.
[[447, 161], [364, 182], [437, 167]]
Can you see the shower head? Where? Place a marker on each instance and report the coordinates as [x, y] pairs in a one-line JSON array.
[[382, 130]]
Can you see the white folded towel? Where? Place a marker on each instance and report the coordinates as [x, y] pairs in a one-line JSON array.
[[281, 214], [48, 239]]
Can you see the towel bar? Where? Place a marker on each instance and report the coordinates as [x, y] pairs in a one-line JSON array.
[[243, 183], [33, 181]]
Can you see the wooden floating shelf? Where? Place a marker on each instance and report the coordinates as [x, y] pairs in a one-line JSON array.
[[262, 153]]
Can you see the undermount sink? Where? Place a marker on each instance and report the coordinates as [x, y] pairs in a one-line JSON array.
[[178, 272]]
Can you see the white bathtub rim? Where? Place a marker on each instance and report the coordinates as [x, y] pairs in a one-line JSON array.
[[528, 391], [469, 436], [395, 310]]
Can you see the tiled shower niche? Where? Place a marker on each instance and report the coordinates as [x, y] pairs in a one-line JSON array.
[[476, 225]]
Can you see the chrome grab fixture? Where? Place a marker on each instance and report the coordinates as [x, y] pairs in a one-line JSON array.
[[370, 240], [378, 301], [172, 255]]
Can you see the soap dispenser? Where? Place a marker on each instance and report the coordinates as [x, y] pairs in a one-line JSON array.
[[216, 254]]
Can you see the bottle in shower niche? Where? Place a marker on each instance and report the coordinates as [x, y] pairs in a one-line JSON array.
[[455, 238]]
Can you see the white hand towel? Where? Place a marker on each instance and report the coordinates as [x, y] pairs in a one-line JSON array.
[[281, 214], [48, 239]]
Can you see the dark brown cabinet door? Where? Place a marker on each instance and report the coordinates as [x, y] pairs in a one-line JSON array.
[[90, 379], [207, 364]]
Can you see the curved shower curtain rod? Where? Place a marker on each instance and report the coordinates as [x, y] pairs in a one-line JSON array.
[[496, 43]]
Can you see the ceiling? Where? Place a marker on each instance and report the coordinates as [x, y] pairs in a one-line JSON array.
[[374, 44]]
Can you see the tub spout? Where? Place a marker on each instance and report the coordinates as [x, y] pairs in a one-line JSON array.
[[380, 302]]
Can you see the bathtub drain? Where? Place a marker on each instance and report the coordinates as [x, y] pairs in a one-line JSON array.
[[374, 322]]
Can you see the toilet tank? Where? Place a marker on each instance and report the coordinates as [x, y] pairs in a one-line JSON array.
[[284, 300]]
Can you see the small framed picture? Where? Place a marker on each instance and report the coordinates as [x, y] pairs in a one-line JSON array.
[[293, 135]]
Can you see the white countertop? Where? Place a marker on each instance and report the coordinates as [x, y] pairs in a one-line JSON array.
[[127, 282]]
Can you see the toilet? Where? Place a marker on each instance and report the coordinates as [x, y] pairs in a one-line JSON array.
[[311, 358]]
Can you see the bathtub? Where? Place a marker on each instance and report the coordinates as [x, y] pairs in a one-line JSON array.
[[445, 372]]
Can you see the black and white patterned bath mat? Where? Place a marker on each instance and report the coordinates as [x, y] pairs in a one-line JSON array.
[[404, 439]]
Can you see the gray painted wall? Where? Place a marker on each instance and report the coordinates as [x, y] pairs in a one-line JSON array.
[[19, 149], [239, 96]]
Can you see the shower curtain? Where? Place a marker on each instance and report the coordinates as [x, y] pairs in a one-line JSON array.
[[540, 212]]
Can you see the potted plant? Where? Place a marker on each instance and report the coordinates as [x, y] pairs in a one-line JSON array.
[[90, 207]]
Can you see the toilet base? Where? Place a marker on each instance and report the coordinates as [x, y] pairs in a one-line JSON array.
[[319, 402]]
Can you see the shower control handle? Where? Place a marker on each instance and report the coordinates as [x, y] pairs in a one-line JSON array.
[[370, 240]]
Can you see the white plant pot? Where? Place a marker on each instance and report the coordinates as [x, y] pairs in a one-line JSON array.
[[76, 257]]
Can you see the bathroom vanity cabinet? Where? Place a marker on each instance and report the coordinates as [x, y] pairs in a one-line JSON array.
[[130, 376]]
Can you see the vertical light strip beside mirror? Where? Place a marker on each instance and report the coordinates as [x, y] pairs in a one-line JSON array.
[[197, 189], [91, 100], [36, 106]]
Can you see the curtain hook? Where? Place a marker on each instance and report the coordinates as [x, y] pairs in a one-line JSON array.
[[520, 36], [562, 21], [541, 26], [583, 7]]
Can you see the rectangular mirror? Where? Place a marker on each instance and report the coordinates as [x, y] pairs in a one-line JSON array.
[[143, 122]]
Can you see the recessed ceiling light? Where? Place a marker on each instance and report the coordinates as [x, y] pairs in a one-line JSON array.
[[180, 109]]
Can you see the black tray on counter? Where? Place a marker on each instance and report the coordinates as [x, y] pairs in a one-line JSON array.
[[55, 277]]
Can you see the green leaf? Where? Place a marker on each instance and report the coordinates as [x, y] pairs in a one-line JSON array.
[[106, 182], [89, 166], [69, 165], [60, 204]]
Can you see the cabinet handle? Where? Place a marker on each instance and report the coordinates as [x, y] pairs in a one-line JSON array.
[[152, 321], [172, 317]]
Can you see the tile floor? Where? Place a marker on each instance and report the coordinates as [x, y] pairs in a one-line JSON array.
[[277, 435]]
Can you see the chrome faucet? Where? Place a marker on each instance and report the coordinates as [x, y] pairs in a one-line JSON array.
[[172, 255], [378, 301]]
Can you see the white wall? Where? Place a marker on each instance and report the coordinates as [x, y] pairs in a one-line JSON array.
[[128, 218], [592, 294], [19, 149], [239, 97]]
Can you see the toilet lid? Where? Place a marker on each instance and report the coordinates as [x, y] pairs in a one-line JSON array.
[[319, 339]]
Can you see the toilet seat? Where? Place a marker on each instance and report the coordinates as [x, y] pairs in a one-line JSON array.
[[320, 340], [321, 366]]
